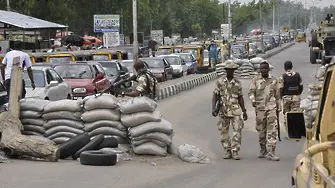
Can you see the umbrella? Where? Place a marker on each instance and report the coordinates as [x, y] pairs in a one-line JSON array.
[[75, 40]]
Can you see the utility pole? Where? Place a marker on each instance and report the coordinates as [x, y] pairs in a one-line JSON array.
[[261, 23], [8, 6], [135, 42], [229, 20], [278, 4], [121, 17], [305, 14], [296, 18], [273, 16]]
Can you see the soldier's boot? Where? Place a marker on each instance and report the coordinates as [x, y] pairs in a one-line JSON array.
[[271, 155], [263, 152], [235, 155], [227, 155]]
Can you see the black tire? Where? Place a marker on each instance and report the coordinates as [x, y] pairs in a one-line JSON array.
[[98, 158], [314, 41], [313, 56], [73, 145], [109, 142], [92, 145]]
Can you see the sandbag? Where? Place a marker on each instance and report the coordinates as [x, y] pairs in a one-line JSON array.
[[256, 60], [28, 133], [63, 105], [34, 128], [61, 140], [150, 148], [311, 113], [313, 98], [167, 139], [88, 127], [140, 142], [30, 114], [107, 131], [42, 138], [312, 105], [57, 129], [105, 101], [38, 122], [101, 114], [163, 126], [64, 122], [33, 104], [192, 154], [62, 134], [120, 140], [313, 92], [62, 115], [131, 120], [137, 104]]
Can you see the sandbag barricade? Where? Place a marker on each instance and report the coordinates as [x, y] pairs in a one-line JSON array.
[[149, 133], [102, 116], [310, 104], [63, 120], [31, 116]]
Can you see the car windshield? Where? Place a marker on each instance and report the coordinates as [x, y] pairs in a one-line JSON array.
[[110, 68], [172, 60], [38, 78], [155, 63], [100, 57], [192, 51], [236, 50], [75, 71], [164, 51], [129, 65], [58, 60], [186, 57]]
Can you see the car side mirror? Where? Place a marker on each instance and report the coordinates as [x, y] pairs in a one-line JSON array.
[[53, 83], [100, 76], [295, 125]]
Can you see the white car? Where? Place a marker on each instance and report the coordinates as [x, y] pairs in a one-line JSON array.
[[49, 85], [177, 63]]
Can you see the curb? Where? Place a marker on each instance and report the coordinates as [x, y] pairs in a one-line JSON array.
[[169, 91]]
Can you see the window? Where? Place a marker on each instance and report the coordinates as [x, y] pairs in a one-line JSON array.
[[99, 69], [55, 76], [49, 76]]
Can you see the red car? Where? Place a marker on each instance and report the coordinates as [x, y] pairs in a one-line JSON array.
[[85, 79]]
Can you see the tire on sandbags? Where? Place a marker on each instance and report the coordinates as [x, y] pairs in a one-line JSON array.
[[98, 158], [73, 145], [92, 145], [109, 142]]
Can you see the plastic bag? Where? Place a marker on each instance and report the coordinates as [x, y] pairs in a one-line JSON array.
[[137, 104], [135, 119], [101, 114], [192, 154], [256, 60], [88, 127], [62, 115], [163, 126], [33, 104], [63, 105], [105, 101], [150, 148]]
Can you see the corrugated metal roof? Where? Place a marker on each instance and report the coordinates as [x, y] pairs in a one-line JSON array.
[[26, 22]]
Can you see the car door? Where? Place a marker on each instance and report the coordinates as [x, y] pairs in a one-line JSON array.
[[103, 83], [63, 89], [168, 69], [51, 92], [183, 64]]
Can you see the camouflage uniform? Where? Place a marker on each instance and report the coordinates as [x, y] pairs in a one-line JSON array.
[[230, 113], [142, 85], [265, 94]]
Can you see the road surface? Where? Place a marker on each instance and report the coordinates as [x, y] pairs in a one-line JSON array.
[[190, 113]]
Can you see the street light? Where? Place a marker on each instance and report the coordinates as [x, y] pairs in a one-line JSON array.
[[135, 42]]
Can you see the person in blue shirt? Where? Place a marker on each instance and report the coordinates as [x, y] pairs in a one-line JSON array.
[[213, 53]]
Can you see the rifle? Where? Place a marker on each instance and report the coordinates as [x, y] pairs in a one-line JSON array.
[[218, 105], [117, 85], [278, 126]]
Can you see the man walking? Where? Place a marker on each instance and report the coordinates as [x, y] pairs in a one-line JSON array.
[[265, 98], [290, 87], [6, 69], [229, 89]]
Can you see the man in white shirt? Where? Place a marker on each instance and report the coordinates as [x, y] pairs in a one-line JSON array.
[[6, 69]]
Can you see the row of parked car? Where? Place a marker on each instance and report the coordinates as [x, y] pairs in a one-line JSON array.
[[83, 78]]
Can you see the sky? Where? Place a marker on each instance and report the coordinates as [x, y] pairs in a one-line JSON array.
[[323, 3]]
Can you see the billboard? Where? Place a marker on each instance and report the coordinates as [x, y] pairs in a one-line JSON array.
[[106, 23]]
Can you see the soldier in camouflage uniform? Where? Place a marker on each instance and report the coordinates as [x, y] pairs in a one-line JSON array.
[[232, 109], [290, 86], [265, 98], [147, 83]]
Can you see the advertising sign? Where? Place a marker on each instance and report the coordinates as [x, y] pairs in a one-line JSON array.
[[106, 23], [111, 39], [157, 35], [225, 30]]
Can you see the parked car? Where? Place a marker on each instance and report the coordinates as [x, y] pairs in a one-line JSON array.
[[160, 67], [48, 84], [190, 61], [252, 50], [178, 65], [85, 79], [3, 95], [130, 64]]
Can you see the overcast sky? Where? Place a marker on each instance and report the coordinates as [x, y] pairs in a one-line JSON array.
[[323, 3]]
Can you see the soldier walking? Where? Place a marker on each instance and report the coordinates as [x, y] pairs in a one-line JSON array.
[[265, 98], [290, 87], [229, 90]]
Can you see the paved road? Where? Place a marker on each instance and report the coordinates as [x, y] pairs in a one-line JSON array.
[[190, 114]]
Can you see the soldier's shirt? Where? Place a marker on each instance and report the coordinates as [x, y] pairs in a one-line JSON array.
[[229, 91], [142, 85], [264, 92], [281, 79]]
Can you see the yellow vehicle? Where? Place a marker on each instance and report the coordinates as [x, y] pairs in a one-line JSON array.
[[103, 55], [198, 53], [165, 50], [315, 166], [60, 58], [301, 36], [178, 49], [38, 57]]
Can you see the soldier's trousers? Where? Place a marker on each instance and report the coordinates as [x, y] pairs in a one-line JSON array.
[[266, 125], [290, 104], [236, 123]]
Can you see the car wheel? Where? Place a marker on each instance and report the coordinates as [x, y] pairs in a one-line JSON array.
[[73, 145], [98, 158], [92, 145]]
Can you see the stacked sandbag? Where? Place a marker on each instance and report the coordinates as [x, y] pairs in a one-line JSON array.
[[220, 69], [102, 116], [149, 133], [256, 61], [310, 104], [321, 72], [246, 70], [63, 120], [31, 110]]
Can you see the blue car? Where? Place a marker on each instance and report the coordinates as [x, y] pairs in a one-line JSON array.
[[190, 61]]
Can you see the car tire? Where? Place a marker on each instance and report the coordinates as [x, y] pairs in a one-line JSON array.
[[109, 142], [98, 158], [92, 145], [71, 146]]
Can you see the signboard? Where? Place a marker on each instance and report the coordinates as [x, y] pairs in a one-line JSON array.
[[157, 35], [122, 42], [111, 39], [225, 30], [106, 23]]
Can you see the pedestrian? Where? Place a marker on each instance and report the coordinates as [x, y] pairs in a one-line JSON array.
[[224, 50], [265, 98], [213, 53], [147, 83], [6, 69], [290, 87], [229, 89]]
